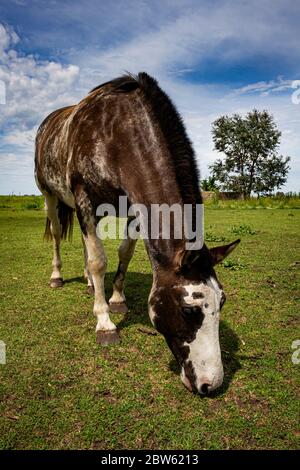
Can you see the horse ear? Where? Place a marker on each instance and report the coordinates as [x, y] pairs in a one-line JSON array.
[[186, 258], [218, 253]]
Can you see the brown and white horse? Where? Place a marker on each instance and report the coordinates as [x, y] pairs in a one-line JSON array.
[[126, 138]]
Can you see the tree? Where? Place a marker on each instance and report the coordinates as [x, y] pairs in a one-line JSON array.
[[209, 184], [251, 163]]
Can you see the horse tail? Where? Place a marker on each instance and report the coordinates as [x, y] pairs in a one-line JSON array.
[[66, 218]]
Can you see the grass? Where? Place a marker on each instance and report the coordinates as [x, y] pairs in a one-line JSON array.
[[242, 229], [59, 390], [270, 202], [21, 203]]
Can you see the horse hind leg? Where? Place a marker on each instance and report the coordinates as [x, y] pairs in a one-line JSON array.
[[117, 302], [53, 228], [59, 224]]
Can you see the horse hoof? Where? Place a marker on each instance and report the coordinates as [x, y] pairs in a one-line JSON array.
[[118, 307], [107, 337], [57, 282], [90, 290]]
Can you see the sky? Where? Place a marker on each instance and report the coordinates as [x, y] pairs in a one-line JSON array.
[[212, 57]]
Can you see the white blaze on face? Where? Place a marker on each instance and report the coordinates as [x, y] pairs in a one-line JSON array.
[[151, 311], [152, 315], [205, 353]]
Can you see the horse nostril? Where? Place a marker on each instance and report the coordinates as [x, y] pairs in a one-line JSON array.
[[204, 389]]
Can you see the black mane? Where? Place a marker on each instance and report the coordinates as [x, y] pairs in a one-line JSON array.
[[172, 127], [125, 83]]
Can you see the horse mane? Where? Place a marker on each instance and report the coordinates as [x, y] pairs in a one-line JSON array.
[[172, 127], [125, 83]]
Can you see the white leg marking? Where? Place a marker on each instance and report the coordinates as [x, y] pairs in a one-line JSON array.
[[97, 266]]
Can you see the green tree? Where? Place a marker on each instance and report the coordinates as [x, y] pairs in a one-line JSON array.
[[250, 145], [209, 184]]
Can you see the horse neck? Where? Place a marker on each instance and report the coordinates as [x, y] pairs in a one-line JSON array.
[[157, 186]]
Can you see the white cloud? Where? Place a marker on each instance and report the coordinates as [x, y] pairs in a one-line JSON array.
[[20, 139], [33, 87], [197, 34], [265, 87], [8, 37], [172, 46]]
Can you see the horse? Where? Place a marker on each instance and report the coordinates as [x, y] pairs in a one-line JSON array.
[[126, 138]]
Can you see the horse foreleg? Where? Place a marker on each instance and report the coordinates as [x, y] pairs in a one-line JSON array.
[[117, 302], [56, 279], [96, 262], [87, 276], [105, 328]]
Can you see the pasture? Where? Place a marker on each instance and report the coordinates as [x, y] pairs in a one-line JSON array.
[[60, 390]]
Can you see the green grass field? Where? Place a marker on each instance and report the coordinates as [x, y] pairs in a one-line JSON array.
[[60, 390]]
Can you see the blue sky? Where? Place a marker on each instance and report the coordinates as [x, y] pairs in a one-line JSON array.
[[212, 57]]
